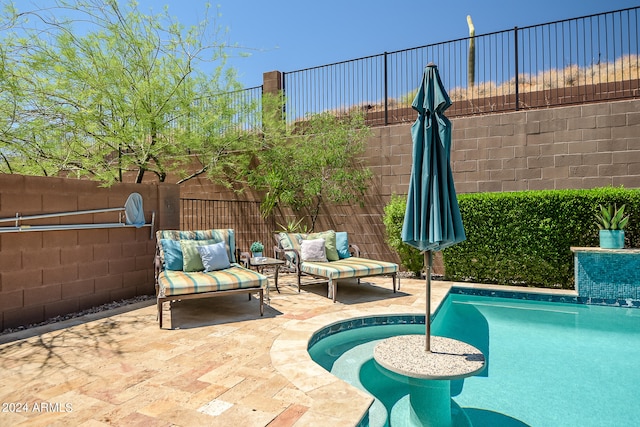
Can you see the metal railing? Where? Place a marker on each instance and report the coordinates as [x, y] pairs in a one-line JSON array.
[[243, 216], [58, 221], [585, 59], [239, 111]]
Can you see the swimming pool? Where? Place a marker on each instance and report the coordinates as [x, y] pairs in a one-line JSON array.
[[548, 364]]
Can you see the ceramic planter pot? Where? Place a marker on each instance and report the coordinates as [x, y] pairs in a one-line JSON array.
[[612, 239]]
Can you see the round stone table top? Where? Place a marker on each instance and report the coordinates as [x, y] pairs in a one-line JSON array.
[[449, 359]]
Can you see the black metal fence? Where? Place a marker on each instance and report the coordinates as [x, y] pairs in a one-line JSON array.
[[579, 60], [243, 216], [243, 109], [585, 59]]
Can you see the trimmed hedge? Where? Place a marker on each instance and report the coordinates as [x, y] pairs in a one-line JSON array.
[[410, 258], [524, 238]]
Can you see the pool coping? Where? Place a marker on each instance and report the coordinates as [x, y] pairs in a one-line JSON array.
[[334, 399]]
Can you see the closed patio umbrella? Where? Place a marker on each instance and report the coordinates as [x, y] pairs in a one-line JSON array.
[[432, 219]]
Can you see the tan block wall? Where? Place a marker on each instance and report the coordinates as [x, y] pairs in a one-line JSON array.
[[581, 146], [44, 274]]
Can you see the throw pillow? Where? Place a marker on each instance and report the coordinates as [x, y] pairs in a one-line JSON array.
[[291, 241], [214, 257], [172, 254], [191, 260], [342, 244], [329, 241], [313, 250]]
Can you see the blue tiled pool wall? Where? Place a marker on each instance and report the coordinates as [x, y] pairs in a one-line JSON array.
[[609, 276], [532, 296], [363, 322]]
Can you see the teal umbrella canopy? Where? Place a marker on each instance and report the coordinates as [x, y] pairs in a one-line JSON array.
[[432, 220]]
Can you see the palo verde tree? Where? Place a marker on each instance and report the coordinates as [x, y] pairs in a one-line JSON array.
[[96, 88], [312, 162]]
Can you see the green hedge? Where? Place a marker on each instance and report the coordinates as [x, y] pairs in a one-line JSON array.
[[524, 238], [410, 257]]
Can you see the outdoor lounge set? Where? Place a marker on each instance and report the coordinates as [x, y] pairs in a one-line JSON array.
[[328, 255], [203, 264]]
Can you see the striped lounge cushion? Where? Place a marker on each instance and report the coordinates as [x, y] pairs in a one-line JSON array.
[[172, 283], [348, 267]]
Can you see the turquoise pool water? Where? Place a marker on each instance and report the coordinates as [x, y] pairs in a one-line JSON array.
[[548, 364]]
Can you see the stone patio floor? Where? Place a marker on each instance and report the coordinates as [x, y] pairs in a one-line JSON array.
[[221, 364]]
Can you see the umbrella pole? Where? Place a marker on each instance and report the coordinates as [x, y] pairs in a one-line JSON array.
[[428, 261]]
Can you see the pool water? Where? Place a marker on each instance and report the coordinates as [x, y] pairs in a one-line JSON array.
[[548, 364]]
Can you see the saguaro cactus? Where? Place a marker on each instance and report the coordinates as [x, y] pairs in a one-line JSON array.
[[471, 66]]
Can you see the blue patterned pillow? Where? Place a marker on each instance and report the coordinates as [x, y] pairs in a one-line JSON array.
[[172, 254], [214, 257]]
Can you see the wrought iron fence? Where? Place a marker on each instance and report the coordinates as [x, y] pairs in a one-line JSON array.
[[243, 109], [585, 59], [243, 216], [236, 112]]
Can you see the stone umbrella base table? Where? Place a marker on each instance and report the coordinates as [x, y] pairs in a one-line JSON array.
[[429, 374]]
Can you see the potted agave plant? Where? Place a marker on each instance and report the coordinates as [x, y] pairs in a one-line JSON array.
[[256, 249], [611, 222]]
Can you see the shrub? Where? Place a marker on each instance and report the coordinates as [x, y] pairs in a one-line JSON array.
[[520, 238], [524, 238], [410, 257]]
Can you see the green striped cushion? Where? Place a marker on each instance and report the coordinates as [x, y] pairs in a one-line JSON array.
[[173, 283], [348, 267]]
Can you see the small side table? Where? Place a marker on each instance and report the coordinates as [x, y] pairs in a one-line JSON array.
[[267, 262]]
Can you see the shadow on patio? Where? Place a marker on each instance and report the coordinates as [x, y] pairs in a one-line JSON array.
[[216, 368]]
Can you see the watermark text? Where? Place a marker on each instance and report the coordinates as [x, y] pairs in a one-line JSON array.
[[37, 406]]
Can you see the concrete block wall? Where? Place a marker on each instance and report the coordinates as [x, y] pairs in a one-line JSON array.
[[581, 146], [578, 146], [44, 274]]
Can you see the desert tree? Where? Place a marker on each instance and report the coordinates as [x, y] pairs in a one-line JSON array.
[[312, 162], [95, 88]]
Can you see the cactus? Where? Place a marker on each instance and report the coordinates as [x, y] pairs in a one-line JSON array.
[[471, 71], [612, 218]]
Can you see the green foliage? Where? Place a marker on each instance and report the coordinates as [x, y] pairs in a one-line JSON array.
[[120, 98], [293, 226], [257, 247], [312, 163], [524, 238], [411, 258], [611, 218]]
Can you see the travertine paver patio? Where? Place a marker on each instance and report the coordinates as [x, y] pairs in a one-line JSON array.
[[222, 365]]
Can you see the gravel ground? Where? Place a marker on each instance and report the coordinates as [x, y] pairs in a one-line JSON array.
[[92, 310]]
